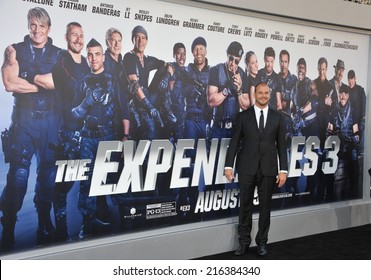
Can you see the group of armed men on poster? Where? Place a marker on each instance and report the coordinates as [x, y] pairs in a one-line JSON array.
[[65, 104]]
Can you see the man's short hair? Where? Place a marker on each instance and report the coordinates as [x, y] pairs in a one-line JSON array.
[[198, 41], [73, 23], [344, 88], [138, 29], [301, 61], [178, 46], [351, 74], [322, 60], [93, 43], [269, 52], [40, 15], [109, 33], [261, 84], [285, 52]]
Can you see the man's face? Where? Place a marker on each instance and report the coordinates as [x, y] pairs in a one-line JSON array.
[[262, 95], [322, 71], [96, 59], [75, 39], [140, 42], [352, 82], [180, 56], [284, 64], [344, 97], [339, 73], [253, 65], [232, 63], [269, 64], [39, 32], [199, 54], [302, 72], [115, 44]]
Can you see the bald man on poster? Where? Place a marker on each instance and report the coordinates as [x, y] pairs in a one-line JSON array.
[[261, 132]]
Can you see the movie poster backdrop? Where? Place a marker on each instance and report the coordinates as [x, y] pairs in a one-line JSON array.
[[166, 180]]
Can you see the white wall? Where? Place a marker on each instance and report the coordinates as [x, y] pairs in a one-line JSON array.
[[340, 12]]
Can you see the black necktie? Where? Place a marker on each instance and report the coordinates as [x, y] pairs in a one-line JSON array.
[[261, 123]]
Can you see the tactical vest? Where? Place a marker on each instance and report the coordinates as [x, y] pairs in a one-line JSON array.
[[344, 120], [32, 64], [227, 111], [101, 114], [302, 93], [196, 99]]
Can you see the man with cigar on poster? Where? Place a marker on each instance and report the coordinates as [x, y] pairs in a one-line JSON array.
[[227, 92], [259, 135], [227, 95]]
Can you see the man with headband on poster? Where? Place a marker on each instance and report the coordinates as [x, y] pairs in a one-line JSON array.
[[143, 104]]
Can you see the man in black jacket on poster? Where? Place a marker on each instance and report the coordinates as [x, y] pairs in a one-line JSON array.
[[261, 131]]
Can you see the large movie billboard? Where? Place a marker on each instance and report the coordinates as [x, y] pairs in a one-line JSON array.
[[116, 116]]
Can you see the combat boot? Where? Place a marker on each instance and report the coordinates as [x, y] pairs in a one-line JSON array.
[[7, 238], [61, 234], [103, 212], [91, 225], [60, 217], [45, 230], [122, 213]]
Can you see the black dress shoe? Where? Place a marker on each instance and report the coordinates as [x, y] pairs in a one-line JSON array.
[[262, 249], [242, 249]]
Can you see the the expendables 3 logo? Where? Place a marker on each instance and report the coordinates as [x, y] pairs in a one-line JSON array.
[[161, 156]]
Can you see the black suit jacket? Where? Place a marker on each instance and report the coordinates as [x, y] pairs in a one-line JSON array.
[[257, 149]]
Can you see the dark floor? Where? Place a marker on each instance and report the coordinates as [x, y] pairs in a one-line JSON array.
[[347, 244]]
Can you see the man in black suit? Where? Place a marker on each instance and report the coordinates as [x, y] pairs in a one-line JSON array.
[[261, 131]]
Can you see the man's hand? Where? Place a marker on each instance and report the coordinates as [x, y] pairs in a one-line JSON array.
[[281, 179], [237, 81], [328, 101], [279, 101], [170, 68], [228, 173]]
